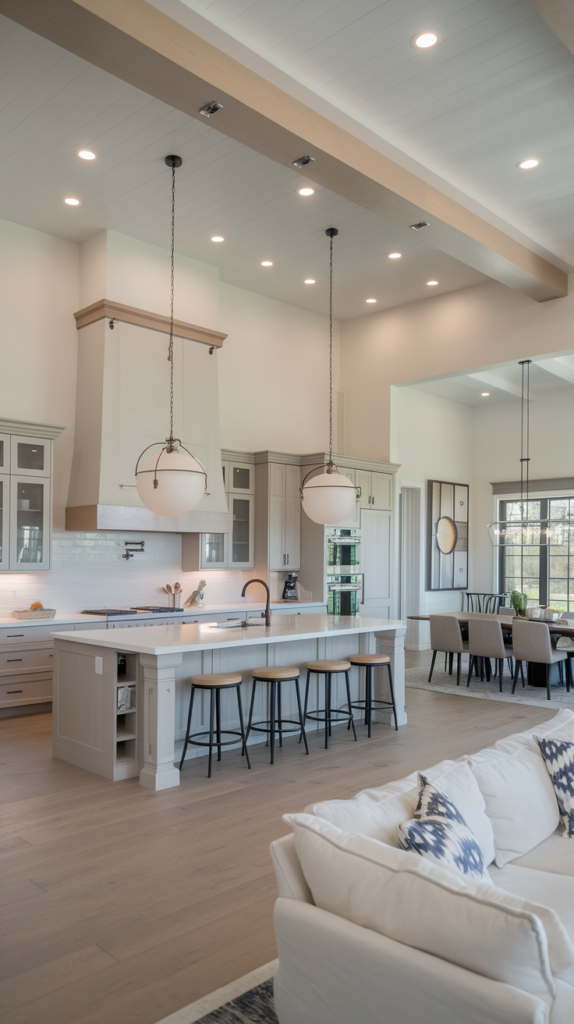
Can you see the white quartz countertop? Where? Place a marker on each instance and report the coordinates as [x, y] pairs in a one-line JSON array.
[[73, 618], [203, 636]]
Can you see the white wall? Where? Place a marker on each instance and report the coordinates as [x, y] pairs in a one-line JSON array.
[[447, 334], [38, 296], [274, 374], [431, 439]]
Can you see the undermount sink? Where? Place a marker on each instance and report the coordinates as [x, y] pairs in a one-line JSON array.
[[238, 623]]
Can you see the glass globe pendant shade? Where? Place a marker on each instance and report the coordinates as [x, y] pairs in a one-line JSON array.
[[329, 498], [172, 484]]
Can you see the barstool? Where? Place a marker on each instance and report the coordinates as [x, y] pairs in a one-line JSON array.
[[276, 676], [370, 703], [329, 668], [215, 683]]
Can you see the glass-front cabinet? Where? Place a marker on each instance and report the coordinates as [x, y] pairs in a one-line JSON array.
[[241, 540], [214, 551], [25, 501]]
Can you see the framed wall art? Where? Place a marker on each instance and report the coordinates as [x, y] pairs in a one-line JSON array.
[[447, 536]]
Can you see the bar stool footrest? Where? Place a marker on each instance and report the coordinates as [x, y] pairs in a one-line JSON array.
[[265, 726], [216, 743], [319, 714]]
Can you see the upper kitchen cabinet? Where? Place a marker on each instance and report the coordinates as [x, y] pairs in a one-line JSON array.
[[277, 512], [376, 489], [233, 550], [26, 496]]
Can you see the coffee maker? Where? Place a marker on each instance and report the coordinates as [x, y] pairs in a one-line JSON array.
[[290, 588]]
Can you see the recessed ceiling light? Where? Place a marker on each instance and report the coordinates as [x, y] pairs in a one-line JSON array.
[[217, 238], [425, 39], [395, 255], [370, 300], [432, 283], [72, 202], [266, 263], [306, 191], [86, 154], [527, 165], [485, 394], [309, 280]]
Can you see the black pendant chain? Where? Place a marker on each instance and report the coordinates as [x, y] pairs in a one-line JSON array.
[[331, 233], [173, 162]]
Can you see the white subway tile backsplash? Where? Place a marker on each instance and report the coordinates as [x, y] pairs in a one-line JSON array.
[[89, 572]]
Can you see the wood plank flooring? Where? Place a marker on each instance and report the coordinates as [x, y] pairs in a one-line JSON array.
[[120, 906]]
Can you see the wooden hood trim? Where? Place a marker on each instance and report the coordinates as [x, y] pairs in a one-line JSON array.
[[143, 318]]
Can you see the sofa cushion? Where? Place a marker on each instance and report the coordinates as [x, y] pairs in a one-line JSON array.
[[555, 892], [519, 799], [439, 832], [558, 755], [379, 812], [420, 904], [552, 855]]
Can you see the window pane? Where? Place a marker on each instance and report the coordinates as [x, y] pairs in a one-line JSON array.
[[532, 509], [558, 565], [558, 593], [559, 508], [531, 588], [531, 565]]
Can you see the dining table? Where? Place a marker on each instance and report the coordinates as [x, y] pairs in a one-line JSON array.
[[536, 673]]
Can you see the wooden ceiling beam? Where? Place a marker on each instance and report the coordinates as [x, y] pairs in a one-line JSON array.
[[559, 16], [139, 44]]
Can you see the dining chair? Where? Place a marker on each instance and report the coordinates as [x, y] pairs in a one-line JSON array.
[[531, 643], [485, 641], [478, 602], [446, 636]]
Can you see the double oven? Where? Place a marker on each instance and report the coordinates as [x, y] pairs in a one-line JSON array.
[[344, 577]]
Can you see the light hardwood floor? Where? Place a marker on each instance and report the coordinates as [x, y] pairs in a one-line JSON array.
[[120, 906]]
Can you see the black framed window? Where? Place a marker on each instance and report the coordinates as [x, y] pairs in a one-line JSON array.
[[539, 561]]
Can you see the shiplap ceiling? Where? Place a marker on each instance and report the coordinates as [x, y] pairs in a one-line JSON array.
[[52, 103], [503, 382], [499, 87]]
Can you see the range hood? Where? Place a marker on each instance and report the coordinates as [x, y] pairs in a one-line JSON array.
[[123, 406]]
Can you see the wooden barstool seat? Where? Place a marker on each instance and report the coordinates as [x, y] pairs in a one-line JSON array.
[[215, 682], [275, 676], [370, 703], [328, 715]]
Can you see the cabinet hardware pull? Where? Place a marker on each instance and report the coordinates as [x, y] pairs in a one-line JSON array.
[[13, 659], [287, 559], [13, 691], [14, 634]]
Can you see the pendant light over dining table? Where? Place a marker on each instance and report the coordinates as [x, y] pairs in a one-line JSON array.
[[171, 482], [329, 497]]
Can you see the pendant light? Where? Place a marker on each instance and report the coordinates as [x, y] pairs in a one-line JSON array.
[[329, 497], [523, 530], [170, 482]]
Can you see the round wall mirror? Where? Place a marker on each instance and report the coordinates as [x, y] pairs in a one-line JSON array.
[[446, 535]]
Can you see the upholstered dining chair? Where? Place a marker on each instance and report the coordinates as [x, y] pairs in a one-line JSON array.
[[485, 640], [531, 643], [446, 636]]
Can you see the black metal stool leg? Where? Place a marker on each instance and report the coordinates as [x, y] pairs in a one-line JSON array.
[[218, 722], [242, 727], [351, 719], [279, 712], [272, 719], [211, 723], [306, 698], [301, 719], [393, 697], [250, 719], [369, 696], [188, 729], [327, 707]]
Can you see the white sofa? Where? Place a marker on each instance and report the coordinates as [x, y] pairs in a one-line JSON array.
[[389, 937]]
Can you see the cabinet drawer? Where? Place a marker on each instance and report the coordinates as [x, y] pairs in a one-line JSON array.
[[26, 660], [25, 691], [27, 634]]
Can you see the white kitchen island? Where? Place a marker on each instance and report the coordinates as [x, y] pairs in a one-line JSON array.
[[99, 675]]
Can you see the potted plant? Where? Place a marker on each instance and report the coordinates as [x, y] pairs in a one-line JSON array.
[[519, 602]]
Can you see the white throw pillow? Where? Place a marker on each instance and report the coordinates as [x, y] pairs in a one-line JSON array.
[[439, 832], [415, 902], [519, 799], [379, 812]]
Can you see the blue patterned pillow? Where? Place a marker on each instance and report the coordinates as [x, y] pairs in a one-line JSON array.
[[440, 833], [559, 760]]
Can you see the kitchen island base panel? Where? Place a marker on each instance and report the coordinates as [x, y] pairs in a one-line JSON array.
[[86, 729]]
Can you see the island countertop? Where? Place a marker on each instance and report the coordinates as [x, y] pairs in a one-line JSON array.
[[205, 636]]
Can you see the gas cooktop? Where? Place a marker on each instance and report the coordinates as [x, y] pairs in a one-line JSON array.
[[116, 612]]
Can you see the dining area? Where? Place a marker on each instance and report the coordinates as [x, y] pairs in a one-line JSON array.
[[526, 649]]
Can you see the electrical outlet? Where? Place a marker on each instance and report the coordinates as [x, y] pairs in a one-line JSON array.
[[99, 666]]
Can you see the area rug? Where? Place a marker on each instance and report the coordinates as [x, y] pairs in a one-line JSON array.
[[417, 679], [249, 1000]]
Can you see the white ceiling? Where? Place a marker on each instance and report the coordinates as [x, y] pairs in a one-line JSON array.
[[498, 87], [503, 382], [52, 103]]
